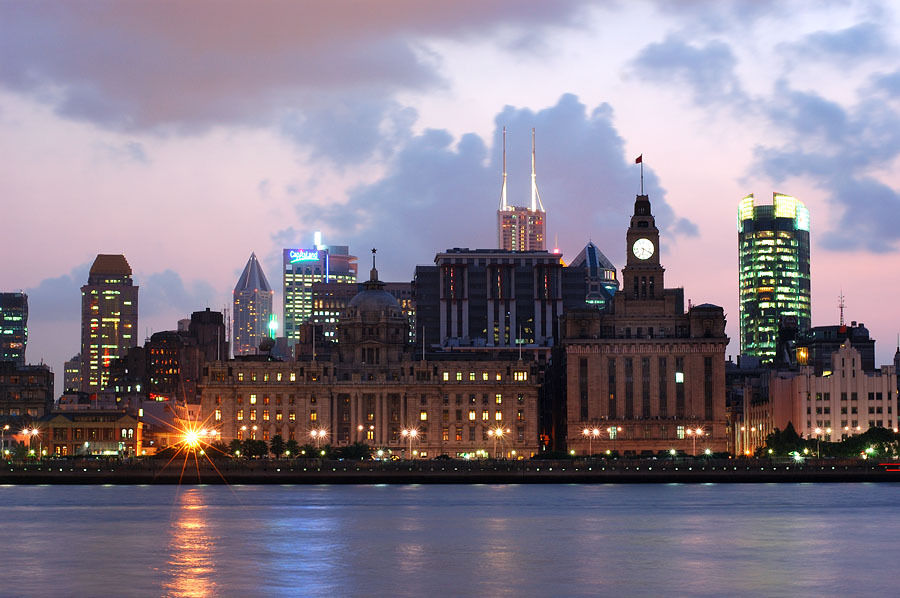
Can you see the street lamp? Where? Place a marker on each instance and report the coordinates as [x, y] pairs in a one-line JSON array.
[[410, 434], [694, 434], [318, 436], [590, 434], [497, 434]]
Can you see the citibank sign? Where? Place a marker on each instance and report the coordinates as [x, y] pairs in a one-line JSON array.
[[303, 255]]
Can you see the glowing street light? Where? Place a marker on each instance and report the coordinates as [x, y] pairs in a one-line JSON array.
[[694, 434], [410, 434], [318, 436], [497, 433], [590, 434], [3, 438]]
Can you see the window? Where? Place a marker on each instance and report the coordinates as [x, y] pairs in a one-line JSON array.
[[498, 377], [471, 376], [485, 415], [240, 376], [278, 416], [458, 433], [240, 415], [520, 415], [265, 415], [459, 376], [471, 415], [253, 399], [423, 416], [484, 376], [278, 377], [313, 416], [520, 376], [293, 377], [218, 415], [292, 416], [253, 415], [498, 415], [445, 433], [498, 398], [446, 376]]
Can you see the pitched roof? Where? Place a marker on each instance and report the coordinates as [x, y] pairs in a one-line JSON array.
[[252, 278]]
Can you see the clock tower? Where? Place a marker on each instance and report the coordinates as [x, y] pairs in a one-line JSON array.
[[642, 275]]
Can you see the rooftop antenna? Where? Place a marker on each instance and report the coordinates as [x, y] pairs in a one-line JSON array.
[[535, 196], [503, 204], [640, 160], [841, 305]]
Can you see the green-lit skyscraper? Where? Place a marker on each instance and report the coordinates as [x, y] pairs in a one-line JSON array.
[[773, 249]]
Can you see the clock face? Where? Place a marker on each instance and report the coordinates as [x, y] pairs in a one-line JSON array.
[[643, 249]]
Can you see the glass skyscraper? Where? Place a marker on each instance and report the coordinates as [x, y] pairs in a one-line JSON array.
[[13, 327], [302, 269], [252, 308], [773, 249]]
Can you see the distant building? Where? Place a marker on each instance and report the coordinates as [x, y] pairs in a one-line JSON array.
[[494, 298], [647, 376], [13, 327], [374, 387], [521, 228], [774, 274], [814, 347], [72, 374], [252, 308], [330, 299], [109, 319], [26, 393], [110, 432], [600, 279], [305, 267]]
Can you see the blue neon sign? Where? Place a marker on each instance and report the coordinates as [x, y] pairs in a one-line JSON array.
[[303, 255]]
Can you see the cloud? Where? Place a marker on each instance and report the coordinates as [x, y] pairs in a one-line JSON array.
[[58, 299], [838, 148], [164, 293], [840, 48], [706, 70], [440, 192], [720, 17], [186, 66]]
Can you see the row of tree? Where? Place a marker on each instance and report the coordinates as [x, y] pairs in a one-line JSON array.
[[279, 448], [874, 441]]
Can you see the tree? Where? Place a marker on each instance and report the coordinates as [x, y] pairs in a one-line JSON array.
[[217, 449], [276, 445], [292, 449], [235, 448], [356, 451]]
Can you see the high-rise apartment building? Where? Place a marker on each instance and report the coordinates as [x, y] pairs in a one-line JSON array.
[[303, 268], [252, 308], [72, 374], [521, 228], [109, 319], [773, 252], [13, 327]]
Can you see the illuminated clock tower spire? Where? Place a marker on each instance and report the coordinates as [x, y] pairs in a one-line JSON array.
[[643, 275]]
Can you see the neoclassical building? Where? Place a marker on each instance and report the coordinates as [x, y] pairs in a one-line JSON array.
[[648, 375], [375, 389]]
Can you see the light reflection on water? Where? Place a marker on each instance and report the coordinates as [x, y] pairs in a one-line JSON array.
[[553, 540]]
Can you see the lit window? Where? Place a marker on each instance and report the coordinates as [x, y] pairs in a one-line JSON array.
[[498, 415], [293, 377], [471, 376], [521, 376], [459, 376], [253, 399], [292, 416], [498, 398], [446, 376], [253, 415], [313, 416], [218, 415], [498, 376], [240, 376], [278, 377], [240, 415], [484, 375], [485, 415], [423, 416], [472, 415], [265, 415]]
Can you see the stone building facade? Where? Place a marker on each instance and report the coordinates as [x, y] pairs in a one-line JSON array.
[[648, 375], [375, 389]]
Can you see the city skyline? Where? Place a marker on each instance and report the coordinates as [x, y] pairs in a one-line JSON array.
[[375, 155]]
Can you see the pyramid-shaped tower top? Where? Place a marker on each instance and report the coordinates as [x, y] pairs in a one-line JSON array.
[[593, 259], [252, 278]]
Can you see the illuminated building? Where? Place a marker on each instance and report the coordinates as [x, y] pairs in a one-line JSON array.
[[494, 298], [72, 374], [13, 327], [330, 299], [374, 387], [252, 308], [302, 269], [110, 432], [646, 375], [815, 346], [520, 228], [599, 276], [773, 250], [109, 319]]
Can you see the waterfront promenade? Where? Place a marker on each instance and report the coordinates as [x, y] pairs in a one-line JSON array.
[[311, 471]]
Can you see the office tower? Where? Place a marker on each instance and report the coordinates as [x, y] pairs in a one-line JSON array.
[[773, 252], [600, 279], [330, 299], [26, 393], [494, 298], [520, 228], [109, 319], [303, 268], [72, 374], [13, 327], [646, 375], [252, 308]]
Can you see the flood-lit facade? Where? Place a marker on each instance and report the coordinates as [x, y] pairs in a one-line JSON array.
[[773, 250], [252, 308], [302, 268]]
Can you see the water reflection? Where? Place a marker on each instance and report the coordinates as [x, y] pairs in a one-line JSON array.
[[191, 564]]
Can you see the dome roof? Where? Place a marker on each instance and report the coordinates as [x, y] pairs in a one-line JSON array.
[[374, 300]]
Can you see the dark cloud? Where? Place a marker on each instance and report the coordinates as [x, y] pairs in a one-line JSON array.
[[707, 69], [837, 148], [842, 47], [350, 130], [439, 193], [58, 299], [164, 293], [184, 66]]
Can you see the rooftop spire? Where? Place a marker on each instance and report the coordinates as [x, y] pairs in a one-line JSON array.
[[535, 196], [503, 204], [841, 305], [373, 273]]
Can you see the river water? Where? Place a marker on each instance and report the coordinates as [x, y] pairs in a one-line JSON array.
[[455, 540]]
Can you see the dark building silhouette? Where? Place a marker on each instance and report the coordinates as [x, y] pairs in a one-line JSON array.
[[26, 393], [13, 327], [815, 346]]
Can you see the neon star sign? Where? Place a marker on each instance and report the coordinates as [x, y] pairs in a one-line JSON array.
[[303, 255]]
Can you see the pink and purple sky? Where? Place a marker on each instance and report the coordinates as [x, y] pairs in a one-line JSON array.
[[187, 135]]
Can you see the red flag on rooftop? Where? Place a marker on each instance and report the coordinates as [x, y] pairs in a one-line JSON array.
[[639, 159]]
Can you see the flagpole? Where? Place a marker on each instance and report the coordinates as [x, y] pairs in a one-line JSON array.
[[642, 174]]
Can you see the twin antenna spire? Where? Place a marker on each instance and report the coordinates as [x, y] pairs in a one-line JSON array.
[[536, 203]]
